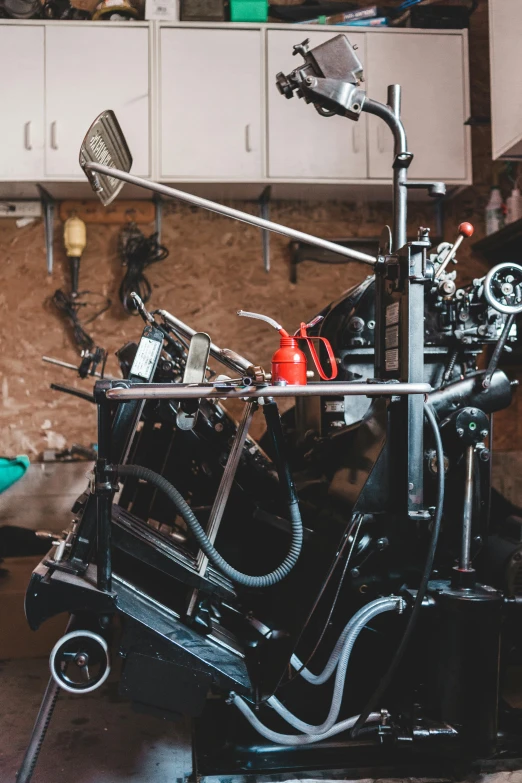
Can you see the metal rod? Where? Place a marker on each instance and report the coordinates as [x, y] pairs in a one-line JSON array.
[[69, 366], [227, 357], [177, 391], [25, 773], [499, 347], [225, 485], [465, 556], [391, 116], [449, 256], [235, 214]]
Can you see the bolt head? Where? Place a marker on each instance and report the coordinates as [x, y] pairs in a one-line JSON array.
[[484, 433], [460, 432], [355, 573]]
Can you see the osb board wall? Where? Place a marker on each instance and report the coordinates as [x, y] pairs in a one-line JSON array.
[[214, 268]]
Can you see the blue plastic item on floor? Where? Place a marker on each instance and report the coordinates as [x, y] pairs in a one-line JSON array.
[[11, 470]]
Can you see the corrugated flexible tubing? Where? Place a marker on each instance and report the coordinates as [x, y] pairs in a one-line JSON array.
[[313, 733], [161, 483], [357, 623], [294, 739]]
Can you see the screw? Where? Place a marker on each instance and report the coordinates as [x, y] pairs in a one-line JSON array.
[[371, 324], [355, 47], [410, 486], [484, 433], [473, 412], [218, 427], [460, 432], [484, 455], [309, 80], [382, 543], [355, 573]]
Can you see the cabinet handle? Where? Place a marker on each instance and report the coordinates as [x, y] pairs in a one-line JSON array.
[[248, 146], [356, 146], [381, 144], [54, 135], [27, 136]]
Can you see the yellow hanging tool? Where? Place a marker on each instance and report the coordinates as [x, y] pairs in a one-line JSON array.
[[75, 239]]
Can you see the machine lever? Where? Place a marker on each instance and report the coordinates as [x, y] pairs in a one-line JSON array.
[[465, 230]]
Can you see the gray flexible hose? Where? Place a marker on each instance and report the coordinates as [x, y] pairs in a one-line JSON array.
[[161, 483], [324, 676], [358, 622], [294, 739]]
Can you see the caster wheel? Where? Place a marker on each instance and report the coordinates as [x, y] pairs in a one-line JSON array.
[[79, 662]]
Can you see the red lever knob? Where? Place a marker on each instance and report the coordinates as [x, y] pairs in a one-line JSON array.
[[466, 230]]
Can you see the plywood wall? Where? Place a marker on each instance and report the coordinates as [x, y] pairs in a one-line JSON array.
[[214, 268]]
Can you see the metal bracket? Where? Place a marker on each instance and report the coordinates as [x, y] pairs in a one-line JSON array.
[[158, 203], [48, 206], [264, 211], [195, 370]]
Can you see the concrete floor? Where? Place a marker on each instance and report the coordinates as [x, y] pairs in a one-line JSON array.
[[97, 738]]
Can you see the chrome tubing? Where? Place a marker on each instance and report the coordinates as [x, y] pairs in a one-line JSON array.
[[178, 391], [229, 358], [235, 214]]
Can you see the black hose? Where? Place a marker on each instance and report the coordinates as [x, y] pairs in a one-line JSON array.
[[161, 483], [384, 684]]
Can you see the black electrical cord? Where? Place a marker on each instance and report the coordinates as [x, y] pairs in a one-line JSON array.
[[376, 698], [137, 253]]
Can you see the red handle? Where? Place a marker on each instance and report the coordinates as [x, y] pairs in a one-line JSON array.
[[309, 340]]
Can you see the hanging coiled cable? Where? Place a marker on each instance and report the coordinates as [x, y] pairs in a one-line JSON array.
[[384, 684], [137, 253]]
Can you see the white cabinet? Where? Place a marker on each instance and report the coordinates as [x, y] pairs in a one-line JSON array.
[[301, 143], [505, 31], [22, 102], [431, 71], [89, 68], [210, 104]]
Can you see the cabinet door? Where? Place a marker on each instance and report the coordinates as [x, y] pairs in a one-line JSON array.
[[430, 70], [301, 143], [22, 102], [505, 26], [90, 68], [210, 103]]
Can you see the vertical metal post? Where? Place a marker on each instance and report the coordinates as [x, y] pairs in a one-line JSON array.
[[400, 176], [103, 490], [465, 552]]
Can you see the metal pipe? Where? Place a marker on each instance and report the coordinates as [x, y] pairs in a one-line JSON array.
[[391, 116], [230, 212], [465, 556], [178, 391], [227, 357], [225, 485]]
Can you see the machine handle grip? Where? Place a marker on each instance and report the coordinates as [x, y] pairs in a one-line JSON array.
[[309, 341]]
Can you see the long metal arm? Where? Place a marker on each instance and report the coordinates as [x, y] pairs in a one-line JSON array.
[[177, 391], [230, 359], [235, 214]]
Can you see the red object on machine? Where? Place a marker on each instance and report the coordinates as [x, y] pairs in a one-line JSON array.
[[289, 362], [466, 229]]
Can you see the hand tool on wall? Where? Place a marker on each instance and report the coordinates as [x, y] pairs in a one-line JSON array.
[[75, 240]]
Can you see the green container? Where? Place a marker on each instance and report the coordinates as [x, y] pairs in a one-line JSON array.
[[11, 470], [248, 10]]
